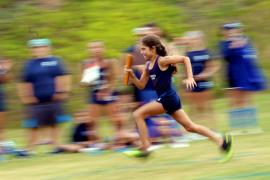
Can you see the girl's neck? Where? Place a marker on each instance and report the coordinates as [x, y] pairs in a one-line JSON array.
[[152, 60]]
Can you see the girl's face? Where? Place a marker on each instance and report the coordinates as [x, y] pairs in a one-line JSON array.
[[41, 51], [147, 52], [96, 48]]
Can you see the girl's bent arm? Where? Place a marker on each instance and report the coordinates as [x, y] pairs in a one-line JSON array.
[[139, 83], [175, 59], [167, 60]]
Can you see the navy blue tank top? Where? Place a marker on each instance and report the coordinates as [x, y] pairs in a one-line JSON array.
[[162, 80]]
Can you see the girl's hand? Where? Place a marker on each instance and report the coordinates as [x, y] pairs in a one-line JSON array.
[[130, 71], [190, 83]]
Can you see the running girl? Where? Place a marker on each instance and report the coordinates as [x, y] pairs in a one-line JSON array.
[[160, 68]]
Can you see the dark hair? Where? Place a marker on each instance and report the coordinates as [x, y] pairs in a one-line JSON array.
[[153, 41]]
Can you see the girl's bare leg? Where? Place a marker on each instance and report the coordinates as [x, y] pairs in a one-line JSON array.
[[150, 109], [181, 117]]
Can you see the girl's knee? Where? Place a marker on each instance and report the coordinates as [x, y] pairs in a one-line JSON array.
[[137, 115]]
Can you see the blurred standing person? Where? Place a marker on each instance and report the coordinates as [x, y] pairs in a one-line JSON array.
[[146, 29], [102, 92], [44, 87], [155, 29], [181, 44], [171, 47], [134, 50], [138, 63], [5, 66], [244, 77], [203, 67]]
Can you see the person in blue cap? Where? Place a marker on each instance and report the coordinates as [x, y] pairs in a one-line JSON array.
[[45, 85], [243, 74]]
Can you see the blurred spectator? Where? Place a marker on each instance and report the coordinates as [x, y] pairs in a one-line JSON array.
[[102, 91], [203, 67], [162, 129], [155, 29], [181, 44], [243, 75], [5, 66], [84, 137], [44, 87], [149, 28], [165, 38], [134, 50], [83, 134]]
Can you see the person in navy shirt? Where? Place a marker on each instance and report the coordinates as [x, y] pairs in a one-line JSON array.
[[243, 75], [45, 85], [240, 56], [5, 67], [203, 67], [134, 49], [160, 68]]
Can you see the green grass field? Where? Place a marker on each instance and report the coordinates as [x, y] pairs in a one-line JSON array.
[[198, 161]]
